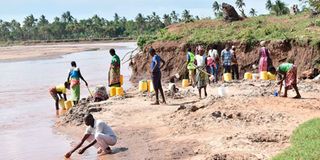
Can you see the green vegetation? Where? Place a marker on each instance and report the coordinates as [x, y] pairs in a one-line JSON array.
[[305, 143], [69, 28], [251, 30]]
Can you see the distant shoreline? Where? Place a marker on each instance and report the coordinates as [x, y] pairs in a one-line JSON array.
[[39, 51]]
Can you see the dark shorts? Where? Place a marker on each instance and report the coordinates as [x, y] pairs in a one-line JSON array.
[[156, 80]]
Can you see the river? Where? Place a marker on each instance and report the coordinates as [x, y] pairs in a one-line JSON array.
[[27, 111]]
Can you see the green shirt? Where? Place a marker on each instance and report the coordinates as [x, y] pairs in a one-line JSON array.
[[115, 60], [285, 67]]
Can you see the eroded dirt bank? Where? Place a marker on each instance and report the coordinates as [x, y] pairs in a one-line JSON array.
[[304, 56], [249, 123]]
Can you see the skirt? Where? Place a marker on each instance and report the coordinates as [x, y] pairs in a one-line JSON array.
[[291, 78], [201, 79]]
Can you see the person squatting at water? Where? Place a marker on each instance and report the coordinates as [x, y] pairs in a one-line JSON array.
[[56, 93], [288, 73], [98, 134], [156, 75], [74, 77]]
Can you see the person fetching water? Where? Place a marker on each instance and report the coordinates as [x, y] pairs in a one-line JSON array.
[[57, 92], [156, 75], [74, 77], [114, 71], [98, 134], [288, 73]]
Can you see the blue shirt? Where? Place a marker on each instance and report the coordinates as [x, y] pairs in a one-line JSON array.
[[155, 60], [227, 57]]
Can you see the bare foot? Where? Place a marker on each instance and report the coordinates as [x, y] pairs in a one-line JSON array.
[[106, 151], [99, 151], [297, 97], [155, 103]]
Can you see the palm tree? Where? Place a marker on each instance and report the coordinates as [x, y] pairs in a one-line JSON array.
[[253, 12], [217, 9], [174, 17], [167, 19], [186, 16], [280, 8], [67, 17], [240, 4], [269, 5], [216, 6]]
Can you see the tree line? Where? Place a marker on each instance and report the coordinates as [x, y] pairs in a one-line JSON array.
[[68, 27], [277, 7]]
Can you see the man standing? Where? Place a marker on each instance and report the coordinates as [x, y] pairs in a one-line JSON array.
[[234, 64], [156, 75], [98, 133], [226, 57], [191, 66]]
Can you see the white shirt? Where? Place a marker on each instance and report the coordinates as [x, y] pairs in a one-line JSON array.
[[213, 53], [201, 60], [100, 127]]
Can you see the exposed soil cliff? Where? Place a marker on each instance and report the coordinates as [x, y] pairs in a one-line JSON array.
[[304, 56]]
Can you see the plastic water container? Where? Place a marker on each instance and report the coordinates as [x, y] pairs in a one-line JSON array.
[[112, 91], [68, 104], [255, 76], [227, 77], [119, 91], [121, 80], [61, 103], [150, 86], [143, 86], [222, 91], [272, 76], [248, 76], [264, 75], [185, 83]]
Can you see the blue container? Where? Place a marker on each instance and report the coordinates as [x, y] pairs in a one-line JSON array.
[[275, 93]]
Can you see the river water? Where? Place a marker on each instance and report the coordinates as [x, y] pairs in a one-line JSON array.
[[27, 111]]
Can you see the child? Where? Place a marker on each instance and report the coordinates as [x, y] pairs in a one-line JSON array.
[[272, 73], [56, 93], [172, 87]]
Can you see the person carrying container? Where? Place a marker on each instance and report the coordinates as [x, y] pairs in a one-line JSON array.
[[57, 92]]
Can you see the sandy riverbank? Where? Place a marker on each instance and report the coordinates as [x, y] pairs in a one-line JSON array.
[[45, 51], [249, 123]]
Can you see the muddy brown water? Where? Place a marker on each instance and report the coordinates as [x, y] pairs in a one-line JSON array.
[[27, 112]]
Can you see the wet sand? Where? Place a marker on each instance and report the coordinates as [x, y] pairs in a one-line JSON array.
[[27, 111], [48, 51]]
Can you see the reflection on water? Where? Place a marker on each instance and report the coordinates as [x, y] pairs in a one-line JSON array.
[[27, 111]]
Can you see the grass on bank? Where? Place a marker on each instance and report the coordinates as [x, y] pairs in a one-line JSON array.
[[253, 29], [305, 143]]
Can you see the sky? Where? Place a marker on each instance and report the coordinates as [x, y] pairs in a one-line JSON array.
[[80, 9]]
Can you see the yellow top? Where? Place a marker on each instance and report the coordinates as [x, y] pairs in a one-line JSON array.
[[61, 89], [272, 76]]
